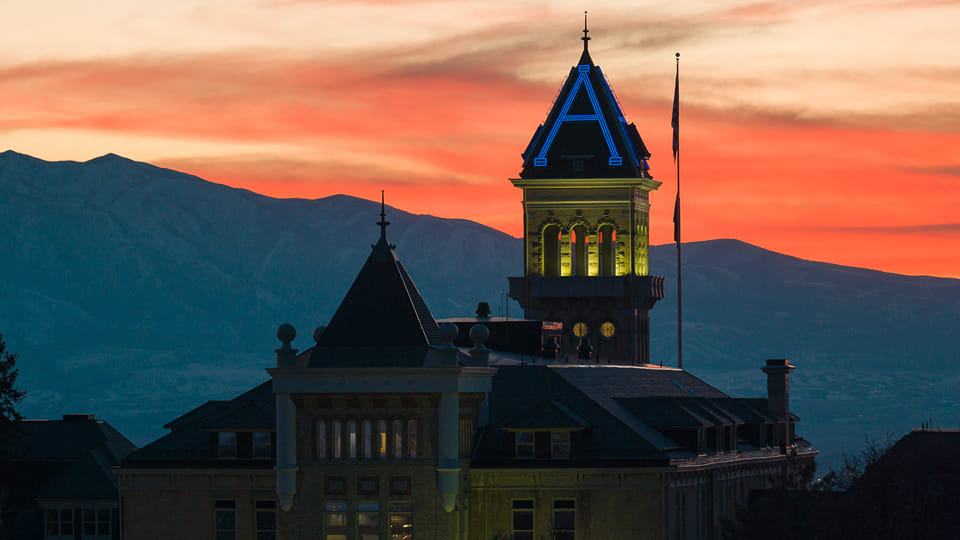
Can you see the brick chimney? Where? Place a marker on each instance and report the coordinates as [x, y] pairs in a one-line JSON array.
[[778, 398]]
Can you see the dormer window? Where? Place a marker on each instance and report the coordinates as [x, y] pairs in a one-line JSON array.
[[262, 446], [560, 444], [525, 444], [227, 444]]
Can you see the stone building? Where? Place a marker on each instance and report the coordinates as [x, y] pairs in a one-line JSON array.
[[387, 429]]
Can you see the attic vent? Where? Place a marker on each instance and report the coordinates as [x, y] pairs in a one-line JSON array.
[[684, 388]]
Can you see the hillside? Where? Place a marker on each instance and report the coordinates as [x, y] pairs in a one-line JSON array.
[[135, 293]]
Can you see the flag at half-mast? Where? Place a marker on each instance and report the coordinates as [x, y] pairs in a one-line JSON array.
[[675, 123]]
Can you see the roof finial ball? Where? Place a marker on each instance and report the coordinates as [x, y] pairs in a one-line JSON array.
[[479, 334], [448, 333], [286, 354]]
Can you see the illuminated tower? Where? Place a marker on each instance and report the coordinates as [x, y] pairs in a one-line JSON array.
[[586, 210]]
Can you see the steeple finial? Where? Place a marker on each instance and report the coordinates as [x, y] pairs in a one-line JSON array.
[[383, 218], [585, 37]]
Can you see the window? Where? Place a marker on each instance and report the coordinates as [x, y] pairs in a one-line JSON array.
[[321, 439], [560, 444], [337, 439], [412, 438], [368, 485], [578, 251], [397, 439], [367, 439], [522, 522], [95, 523], [401, 521], [262, 447], [59, 523], [382, 438], [266, 520], [335, 520], [225, 517], [564, 520], [352, 438], [335, 485], [226, 444], [551, 250], [368, 521], [524, 444], [608, 250], [399, 485]]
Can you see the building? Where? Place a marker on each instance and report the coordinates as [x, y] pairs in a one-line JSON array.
[[586, 222], [59, 483], [385, 428]]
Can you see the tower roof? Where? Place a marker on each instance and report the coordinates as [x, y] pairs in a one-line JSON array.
[[382, 321], [585, 134]]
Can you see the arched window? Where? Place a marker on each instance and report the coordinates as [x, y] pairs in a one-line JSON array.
[[321, 439], [397, 439], [367, 439], [608, 250], [578, 251], [412, 437], [352, 438], [337, 440], [381, 438], [551, 250]]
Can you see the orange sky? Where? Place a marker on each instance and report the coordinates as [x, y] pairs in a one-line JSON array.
[[826, 131]]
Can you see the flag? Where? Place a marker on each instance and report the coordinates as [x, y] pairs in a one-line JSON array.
[[675, 121], [676, 219]]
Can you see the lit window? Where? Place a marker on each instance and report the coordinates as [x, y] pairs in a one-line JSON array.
[[225, 517], [261, 445], [266, 520], [337, 439], [95, 523], [368, 521], [522, 520], [321, 439], [412, 438], [227, 444], [525, 444], [367, 439], [401, 521], [352, 438], [335, 520], [564, 520], [397, 439], [59, 523], [382, 438]]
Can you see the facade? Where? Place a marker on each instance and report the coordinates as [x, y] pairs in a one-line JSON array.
[[386, 428], [59, 483]]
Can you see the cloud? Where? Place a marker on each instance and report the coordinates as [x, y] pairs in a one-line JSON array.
[[935, 229]]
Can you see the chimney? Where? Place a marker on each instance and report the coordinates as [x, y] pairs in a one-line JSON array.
[[778, 397]]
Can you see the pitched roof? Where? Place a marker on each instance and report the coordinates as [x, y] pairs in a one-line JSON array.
[[586, 125], [382, 321]]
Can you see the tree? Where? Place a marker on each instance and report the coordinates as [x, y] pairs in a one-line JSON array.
[[10, 395]]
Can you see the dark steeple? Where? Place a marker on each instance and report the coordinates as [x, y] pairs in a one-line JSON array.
[[585, 57], [585, 134], [382, 321]]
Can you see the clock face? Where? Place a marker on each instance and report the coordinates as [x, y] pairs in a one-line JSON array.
[[608, 329], [580, 329]]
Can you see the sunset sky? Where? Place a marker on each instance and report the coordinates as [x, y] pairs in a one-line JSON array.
[[824, 130]]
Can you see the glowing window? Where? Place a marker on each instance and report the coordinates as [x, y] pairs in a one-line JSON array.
[[337, 440], [412, 438], [397, 439], [382, 438], [352, 438]]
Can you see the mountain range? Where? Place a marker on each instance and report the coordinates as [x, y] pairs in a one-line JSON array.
[[136, 293]]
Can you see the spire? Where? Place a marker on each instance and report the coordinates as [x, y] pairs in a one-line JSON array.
[[383, 219], [585, 57]]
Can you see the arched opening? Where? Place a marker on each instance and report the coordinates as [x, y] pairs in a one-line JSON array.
[[551, 250], [578, 251], [608, 251]]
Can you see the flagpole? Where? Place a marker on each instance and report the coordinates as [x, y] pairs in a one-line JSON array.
[[676, 213]]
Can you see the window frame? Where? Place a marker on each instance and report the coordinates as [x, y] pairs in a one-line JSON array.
[[554, 444], [335, 508], [532, 445], [225, 507], [260, 445], [564, 506], [263, 507], [400, 508], [525, 508], [366, 508], [221, 446]]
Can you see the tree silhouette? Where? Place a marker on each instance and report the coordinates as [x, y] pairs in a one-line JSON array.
[[10, 395]]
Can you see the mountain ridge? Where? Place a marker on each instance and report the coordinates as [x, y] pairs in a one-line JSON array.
[[158, 290]]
